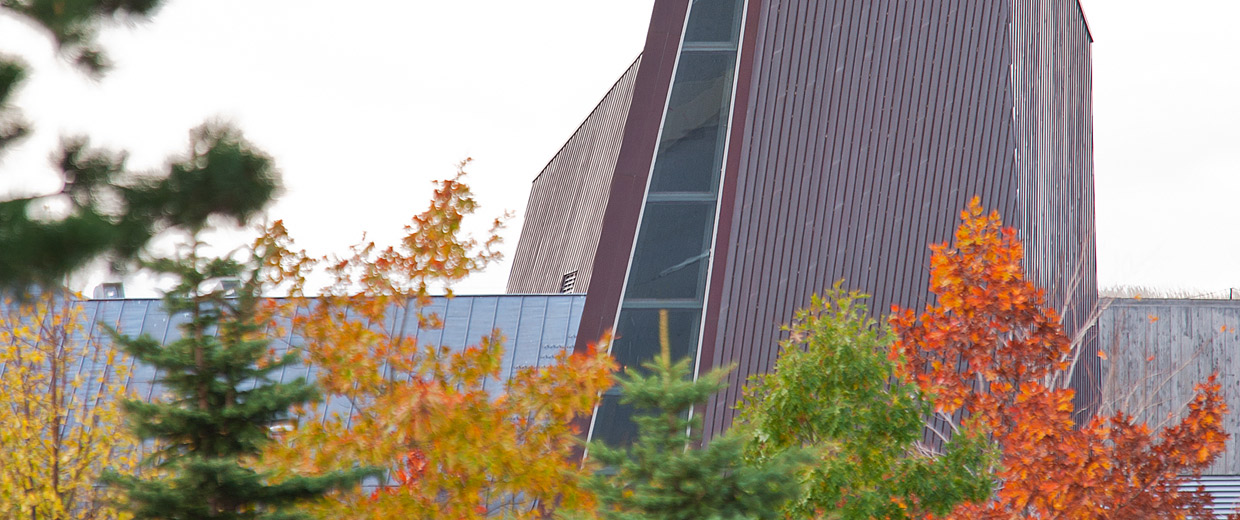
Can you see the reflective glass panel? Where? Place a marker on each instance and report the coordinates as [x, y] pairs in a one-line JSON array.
[[691, 145], [614, 424], [637, 334], [667, 276], [673, 245], [713, 21]]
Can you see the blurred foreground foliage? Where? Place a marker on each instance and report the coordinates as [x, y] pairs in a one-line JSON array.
[[102, 209]]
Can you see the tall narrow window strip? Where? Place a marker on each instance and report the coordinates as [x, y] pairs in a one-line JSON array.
[[667, 277]]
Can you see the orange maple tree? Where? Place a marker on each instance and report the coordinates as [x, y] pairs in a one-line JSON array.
[[991, 350], [456, 442]]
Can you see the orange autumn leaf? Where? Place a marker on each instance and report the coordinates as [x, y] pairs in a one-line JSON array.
[[456, 446], [992, 325]]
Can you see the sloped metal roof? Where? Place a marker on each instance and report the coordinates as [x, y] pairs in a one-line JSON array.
[[536, 328]]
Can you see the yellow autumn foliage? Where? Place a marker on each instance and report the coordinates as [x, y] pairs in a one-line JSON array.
[[60, 416]]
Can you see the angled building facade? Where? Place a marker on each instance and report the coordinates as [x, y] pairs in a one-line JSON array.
[[772, 147], [560, 234]]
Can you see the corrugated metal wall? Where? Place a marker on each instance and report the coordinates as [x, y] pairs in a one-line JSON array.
[[1224, 488], [1055, 168], [870, 125], [1157, 350], [564, 216]]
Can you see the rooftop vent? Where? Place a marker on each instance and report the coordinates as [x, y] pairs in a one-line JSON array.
[[568, 282], [110, 291]]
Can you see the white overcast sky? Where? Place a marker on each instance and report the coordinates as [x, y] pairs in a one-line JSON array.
[[363, 103]]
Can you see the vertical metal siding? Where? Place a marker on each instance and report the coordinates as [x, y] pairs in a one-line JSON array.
[[1157, 350], [869, 126], [564, 215], [1054, 168]]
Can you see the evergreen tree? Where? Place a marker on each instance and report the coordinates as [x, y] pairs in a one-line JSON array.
[[112, 213], [667, 475], [73, 25], [212, 429]]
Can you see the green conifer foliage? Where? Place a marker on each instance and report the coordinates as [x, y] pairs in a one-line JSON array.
[[222, 405], [111, 212], [665, 475], [12, 128], [114, 215], [73, 24], [834, 392]]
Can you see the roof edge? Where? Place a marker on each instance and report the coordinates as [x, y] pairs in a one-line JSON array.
[[593, 111], [1084, 21], [1172, 301], [484, 295]]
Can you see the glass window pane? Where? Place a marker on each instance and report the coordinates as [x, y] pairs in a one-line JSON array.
[[688, 162], [637, 334], [713, 21], [673, 246], [691, 145], [614, 424]]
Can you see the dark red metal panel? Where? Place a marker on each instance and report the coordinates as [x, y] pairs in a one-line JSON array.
[[628, 186], [727, 192], [869, 125], [560, 234]]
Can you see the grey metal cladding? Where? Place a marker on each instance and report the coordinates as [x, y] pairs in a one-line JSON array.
[[1055, 170], [870, 124], [535, 326], [1157, 350], [563, 219]]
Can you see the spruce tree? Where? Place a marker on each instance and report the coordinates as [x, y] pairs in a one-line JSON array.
[[667, 474], [222, 405]]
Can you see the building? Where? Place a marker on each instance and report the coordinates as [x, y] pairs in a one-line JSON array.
[[1157, 350], [760, 150]]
